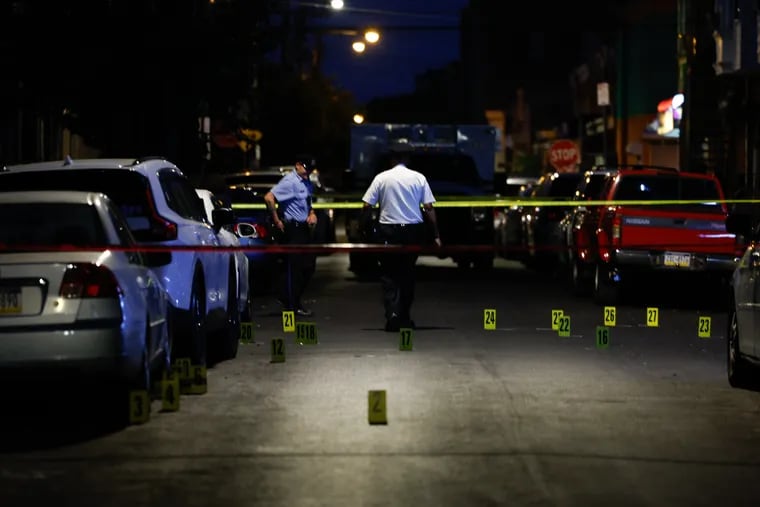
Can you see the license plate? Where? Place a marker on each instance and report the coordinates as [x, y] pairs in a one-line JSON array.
[[677, 260], [10, 301]]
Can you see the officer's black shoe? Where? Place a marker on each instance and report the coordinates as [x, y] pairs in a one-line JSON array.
[[303, 312]]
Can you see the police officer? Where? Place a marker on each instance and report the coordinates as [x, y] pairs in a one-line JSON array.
[[400, 191], [295, 219]]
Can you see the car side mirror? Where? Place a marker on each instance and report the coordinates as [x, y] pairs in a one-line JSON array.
[[221, 217], [245, 230]]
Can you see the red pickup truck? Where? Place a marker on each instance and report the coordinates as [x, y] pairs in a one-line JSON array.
[[658, 221]]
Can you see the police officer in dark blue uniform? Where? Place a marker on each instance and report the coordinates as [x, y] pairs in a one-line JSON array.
[[295, 219]]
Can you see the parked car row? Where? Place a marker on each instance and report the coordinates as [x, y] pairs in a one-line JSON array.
[[626, 224], [109, 266], [530, 233]]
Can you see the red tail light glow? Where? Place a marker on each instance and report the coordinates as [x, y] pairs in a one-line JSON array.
[[82, 280], [616, 222], [261, 230], [160, 228]]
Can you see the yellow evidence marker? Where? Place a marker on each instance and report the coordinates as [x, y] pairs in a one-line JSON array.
[[306, 333], [704, 327], [564, 325], [610, 316], [653, 317], [278, 351], [198, 380], [182, 369], [556, 316], [288, 321], [377, 408], [602, 337], [406, 335], [489, 319], [139, 407], [246, 332], [170, 393]]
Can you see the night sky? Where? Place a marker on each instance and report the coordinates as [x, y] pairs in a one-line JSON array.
[[389, 68]]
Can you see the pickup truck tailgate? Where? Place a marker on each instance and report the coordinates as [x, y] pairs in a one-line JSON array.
[[651, 228]]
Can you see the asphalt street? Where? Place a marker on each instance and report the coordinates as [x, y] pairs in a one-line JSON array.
[[517, 415]]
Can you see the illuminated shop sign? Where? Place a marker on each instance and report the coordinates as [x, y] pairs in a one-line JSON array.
[[668, 120]]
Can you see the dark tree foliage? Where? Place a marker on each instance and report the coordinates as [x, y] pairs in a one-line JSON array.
[[133, 76]]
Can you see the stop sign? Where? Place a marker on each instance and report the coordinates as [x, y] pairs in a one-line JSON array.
[[564, 156]]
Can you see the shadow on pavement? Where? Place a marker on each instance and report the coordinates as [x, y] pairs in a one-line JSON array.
[[29, 421]]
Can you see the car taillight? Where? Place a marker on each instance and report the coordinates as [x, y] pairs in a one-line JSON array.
[[83, 280], [161, 229], [261, 231], [616, 221]]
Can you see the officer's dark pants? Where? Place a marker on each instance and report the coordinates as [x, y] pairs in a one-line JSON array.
[[297, 267], [397, 269]]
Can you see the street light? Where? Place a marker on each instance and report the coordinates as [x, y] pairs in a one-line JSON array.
[[358, 118], [372, 36], [336, 4], [358, 46]]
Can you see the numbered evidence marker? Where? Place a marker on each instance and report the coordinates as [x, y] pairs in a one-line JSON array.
[[182, 369], [489, 319], [198, 380], [246, 332], [288, 322], [278, 351], [564, 325], [556, 316], [306, 333], [376, 407], [139, 407], [704, 327], [170, 393], [405, 338], [610, 316], [602, 337], [653, 317]]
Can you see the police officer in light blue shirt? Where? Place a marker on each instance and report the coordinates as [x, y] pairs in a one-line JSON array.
[[403, 196], [289, 203]]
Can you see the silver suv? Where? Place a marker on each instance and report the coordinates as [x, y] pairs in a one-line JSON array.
[[163, 211]]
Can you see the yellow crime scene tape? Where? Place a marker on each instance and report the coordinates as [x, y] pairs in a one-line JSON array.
[[453, 202]]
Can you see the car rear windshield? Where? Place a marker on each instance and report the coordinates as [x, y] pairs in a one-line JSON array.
[[49, 225], [671, 188], [127, 189]]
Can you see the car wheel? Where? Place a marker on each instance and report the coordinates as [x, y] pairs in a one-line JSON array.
[[168, 358], [579, 279], [231, 339], [737, 368], [604, 291], [197, 331]]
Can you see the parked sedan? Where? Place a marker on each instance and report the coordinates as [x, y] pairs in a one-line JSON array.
[[255, 233], [76, 294], [742, 338], [541, 234], [228, 238], [578, 229]]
